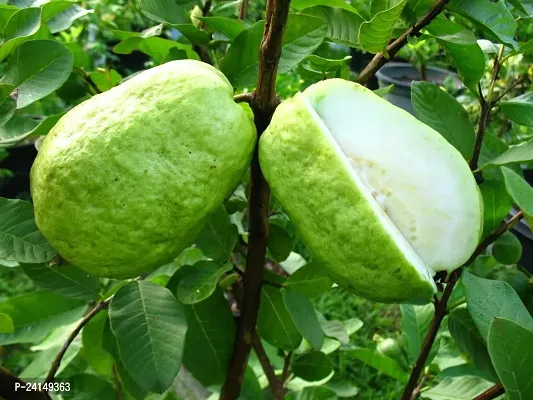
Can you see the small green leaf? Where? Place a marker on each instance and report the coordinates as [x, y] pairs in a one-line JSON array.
[[65, 280], [507, 249], [168, 11], [19, 238], [461, 388], [493, 17], [174, 54], [374, 35], [92, 334], [341, 4], [279, 243], [37, 68], [342, 25], [209, 339], [304, 317], [343, 388], [468, 339], [275, 324], [520, 110], [496, 204], [312, 367], [445, 114], [515, 155], [193, 34], [310, 280], [6, 324], [22, 25], [64, 19], [384, 90], [382, 363], [489, 299], [313, 393], [147, 317], [105, 80], [81, 58], [520, 191], [155, 47], [511, 351], [229, 27], [219, 236], [334, 329], [19, 128], [415, 324], [199, 281]]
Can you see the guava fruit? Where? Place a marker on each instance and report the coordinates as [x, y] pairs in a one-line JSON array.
[[390, 347], [126, 180], [381, 199]]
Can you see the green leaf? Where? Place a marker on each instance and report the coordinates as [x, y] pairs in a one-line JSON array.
[[342, 25], [525, 6], [374, 35], [462, 48], [19, 238], [468, 339], [129, 384], [6, 324], [8, 105], [105, 80], [493, 17], [168, 11], [229, 27], [313, 393], [520, 110], [515, 155], [92, 335], [343, 388], [382, 91], [520, 191], [6, 11], [491, 148], [380, 362], [279, 243], [461, 388], [496, 205], [251, 389], [174, 54], [511, 351], [489, 299], [275, 324], [303, 34], [37, 68], [18, 128], [219, 236], [209, 340], [334, 329], [20, 26], [304, 316], [445, 114], [89, 387], [147, 318], [310, 280], [312, 367], [415, 324], [199, 281], [65, 280], [322, 65], [81, 58], [193, 34], [155, 47], [64, 19], [507, 249], [341, 4], [36, 314]]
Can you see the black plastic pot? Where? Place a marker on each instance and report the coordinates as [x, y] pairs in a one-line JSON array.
[[401, 75], [19, 162]]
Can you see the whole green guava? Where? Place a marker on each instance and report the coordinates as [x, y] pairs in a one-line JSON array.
[[126, 180]]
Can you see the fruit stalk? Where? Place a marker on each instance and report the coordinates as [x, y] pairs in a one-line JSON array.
[[381, 58], [263, 105]]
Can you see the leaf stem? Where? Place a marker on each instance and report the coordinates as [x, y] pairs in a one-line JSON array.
[[381, 58], [491, 393], [276, 386], [57, 361]]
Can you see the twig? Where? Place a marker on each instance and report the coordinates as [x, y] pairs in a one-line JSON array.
[[57, 361], [87, 78], [486, 106], [118, 386], [263, 105], [8, 392], [380, 59], [286, 368], [417, 390], [491, 393], [276, 386], [243, 98], [441, 306], [518, 82], [243, 10]]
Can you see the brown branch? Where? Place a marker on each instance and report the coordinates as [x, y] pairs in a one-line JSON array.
[[286, 368], [515, 84], [243, 98], [243, 10], [118, 386], [11, 388], [491, 393], [486, 106], [276, 385], [418, 389], [380, 59], [57, 361], [441, 306], [263, 105]]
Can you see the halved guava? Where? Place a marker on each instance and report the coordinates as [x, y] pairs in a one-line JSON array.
[[383, 200]]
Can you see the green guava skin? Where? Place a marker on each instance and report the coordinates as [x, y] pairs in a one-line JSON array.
[[310, 180], [126, 180]]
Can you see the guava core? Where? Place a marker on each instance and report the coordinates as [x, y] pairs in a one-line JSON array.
[[126, 180], [381, 199]]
